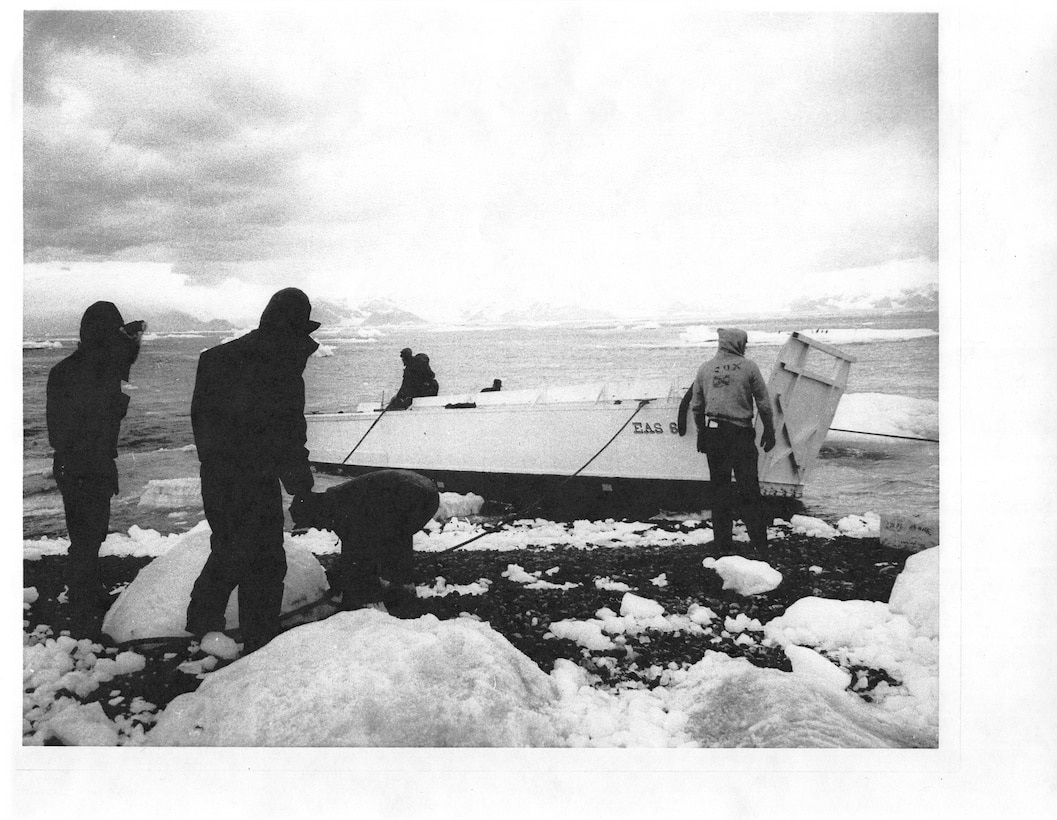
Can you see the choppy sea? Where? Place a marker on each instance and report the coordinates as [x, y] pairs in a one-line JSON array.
[[893, 389]]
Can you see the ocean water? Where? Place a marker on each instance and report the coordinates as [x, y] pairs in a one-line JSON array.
[[893, 388]]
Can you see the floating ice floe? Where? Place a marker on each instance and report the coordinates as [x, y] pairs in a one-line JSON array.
[[172, 493]]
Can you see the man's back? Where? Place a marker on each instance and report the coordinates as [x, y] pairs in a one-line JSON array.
[[248, 403], [727, 384]]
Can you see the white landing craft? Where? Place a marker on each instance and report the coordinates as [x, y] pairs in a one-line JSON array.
[[591, 450]]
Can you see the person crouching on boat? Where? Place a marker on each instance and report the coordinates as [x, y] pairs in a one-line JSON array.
[[724, 391], [375, 516], [418, 380], [248, 418]]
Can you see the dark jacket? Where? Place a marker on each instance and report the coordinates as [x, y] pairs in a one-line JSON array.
[[394, 502], [419, 379], [85, 403], [248, 408]]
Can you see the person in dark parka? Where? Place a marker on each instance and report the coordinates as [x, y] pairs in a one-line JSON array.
[[85, 406], [418, 380], [375, 516], [247, 413]]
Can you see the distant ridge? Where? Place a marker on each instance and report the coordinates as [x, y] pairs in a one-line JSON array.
[[909, 299], [68, 323]]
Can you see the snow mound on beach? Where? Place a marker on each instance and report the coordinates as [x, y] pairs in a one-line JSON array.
[[900, 637], [155, 603], [366, 679], [732, 704]]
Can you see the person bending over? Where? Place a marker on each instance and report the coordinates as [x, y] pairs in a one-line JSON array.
[[375, 516]]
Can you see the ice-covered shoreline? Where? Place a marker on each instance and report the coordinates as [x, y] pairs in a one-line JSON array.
[[370, 657]]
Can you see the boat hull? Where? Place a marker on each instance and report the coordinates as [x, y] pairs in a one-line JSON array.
[[611, 450]]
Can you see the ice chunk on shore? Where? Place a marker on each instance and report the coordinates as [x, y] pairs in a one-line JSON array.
[[811, 664], [860, 526], [635, 606], [454, 505], [743, 575], [814, 527], [366, 679], [155, 603], [84, 724]]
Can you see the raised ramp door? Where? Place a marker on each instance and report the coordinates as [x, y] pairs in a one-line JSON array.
[[806, 385]]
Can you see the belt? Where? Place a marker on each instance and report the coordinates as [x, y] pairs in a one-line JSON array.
[[715, 423]]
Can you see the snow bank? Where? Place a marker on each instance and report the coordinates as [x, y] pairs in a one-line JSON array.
[[323, 351], [41, 345], [744, 576], [366, 679], [900, 638], [154, 604], [732, 704]]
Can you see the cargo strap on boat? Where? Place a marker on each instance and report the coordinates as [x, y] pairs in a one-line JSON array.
[[326, 598], [506, 519], [358, 443]]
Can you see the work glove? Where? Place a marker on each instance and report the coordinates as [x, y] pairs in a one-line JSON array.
[[767, 440], [702, 439], [305, 510], [297, 478]]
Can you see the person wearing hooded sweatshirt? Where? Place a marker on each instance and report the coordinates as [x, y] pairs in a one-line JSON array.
[[247, 414], [85, 406], [724, 391]]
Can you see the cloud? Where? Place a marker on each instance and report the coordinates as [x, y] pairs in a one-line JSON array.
[[58, 290], [484, 151]]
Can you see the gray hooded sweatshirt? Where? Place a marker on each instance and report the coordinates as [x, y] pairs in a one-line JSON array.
[[727, 385]]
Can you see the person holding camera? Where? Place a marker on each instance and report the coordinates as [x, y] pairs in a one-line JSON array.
[[724, 391], [85, 406]]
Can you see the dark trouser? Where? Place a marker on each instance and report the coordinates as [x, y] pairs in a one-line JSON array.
[[86, 501], [732, 449], [245, 513]]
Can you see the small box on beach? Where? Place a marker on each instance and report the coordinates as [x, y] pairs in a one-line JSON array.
[[909, 532]]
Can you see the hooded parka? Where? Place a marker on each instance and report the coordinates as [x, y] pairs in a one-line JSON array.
[[247, 414], [85, 406]]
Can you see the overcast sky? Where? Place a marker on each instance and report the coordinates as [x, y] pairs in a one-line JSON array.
[[624, 157]]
